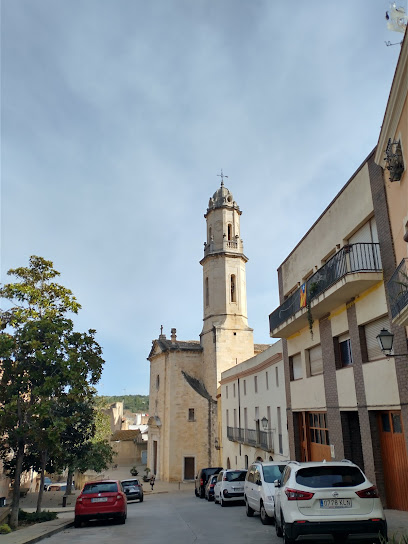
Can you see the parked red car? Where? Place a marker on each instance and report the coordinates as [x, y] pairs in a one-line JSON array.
[[101, 500]]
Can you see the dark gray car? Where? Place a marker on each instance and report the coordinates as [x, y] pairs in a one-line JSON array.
[[133, 489]]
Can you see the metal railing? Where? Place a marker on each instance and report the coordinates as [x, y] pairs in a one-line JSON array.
[[251, 437], [361, 257], [397, 288]]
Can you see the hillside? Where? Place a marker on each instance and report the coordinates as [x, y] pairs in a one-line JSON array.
[[133, 403]]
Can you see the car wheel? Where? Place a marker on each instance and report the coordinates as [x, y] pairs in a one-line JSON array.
[[286, 539], [122, 520], [265, 519], [195, 492], [141, 499], [249, 511], [223, 503], [77, 522]]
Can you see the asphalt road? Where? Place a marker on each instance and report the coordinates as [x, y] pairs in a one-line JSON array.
[[178, 518]]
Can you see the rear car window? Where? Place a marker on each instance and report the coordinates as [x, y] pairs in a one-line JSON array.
[[272, 473], [329, 476], [102, 487], [235, 476], [129, 483]]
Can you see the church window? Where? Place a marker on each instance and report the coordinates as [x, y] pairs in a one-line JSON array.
[[191, 414], [233, 388], [229, 232], [267, 380], [233, 293], [226, 391], [157, 382], [228, 462], [207, 292], [244, 387], [210, 234]]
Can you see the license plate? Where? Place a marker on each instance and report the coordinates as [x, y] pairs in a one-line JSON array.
[[335, 503], [100, 499], [238, 489]]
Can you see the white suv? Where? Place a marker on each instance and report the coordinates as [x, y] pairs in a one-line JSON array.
[[259, 489], [229, 486], [333, 498]]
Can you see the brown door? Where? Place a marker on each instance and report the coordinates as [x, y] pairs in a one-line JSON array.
[[394, 459], [318, 433], [154, 456], [189, 468]]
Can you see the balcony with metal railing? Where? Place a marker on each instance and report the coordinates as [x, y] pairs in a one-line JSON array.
[[352, 270], [251, 437], [397, 291]]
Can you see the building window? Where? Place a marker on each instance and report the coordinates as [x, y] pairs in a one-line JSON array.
[[345, 356], [226, 391], [233, 293], [246, 462], [315, 365], [234, 390], [256, 383], [230, 232], [191, 414], [157, 382], [267, 380], [227, 417], [295, 367], [207, 292], [319, 433], [371, 330], [244, 387], [277, 376]]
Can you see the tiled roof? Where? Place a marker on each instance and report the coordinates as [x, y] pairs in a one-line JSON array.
[[126, 435]]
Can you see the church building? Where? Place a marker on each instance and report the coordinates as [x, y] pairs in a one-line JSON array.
[[185, 375]]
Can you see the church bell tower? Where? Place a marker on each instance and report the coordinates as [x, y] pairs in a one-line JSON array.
[[226, 337]]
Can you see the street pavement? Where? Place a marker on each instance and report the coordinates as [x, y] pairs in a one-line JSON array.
[[170, 513]]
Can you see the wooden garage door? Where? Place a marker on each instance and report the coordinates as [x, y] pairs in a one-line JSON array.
[[394, 459]]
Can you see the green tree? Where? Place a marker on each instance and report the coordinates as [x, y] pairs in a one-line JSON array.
[[42, 359]]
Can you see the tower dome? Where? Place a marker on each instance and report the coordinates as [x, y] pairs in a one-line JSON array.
[[222, 198]]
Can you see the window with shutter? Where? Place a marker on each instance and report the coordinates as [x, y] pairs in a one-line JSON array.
[[316, 360], [296, 367], [371, 331]]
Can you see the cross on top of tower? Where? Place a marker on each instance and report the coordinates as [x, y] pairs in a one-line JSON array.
[[222, 177]]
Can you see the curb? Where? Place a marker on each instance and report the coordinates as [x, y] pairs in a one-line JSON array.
[[49, 533]]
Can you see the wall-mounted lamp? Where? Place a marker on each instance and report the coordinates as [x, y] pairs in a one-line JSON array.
[[386, 340], [264, 422], [216, 444]]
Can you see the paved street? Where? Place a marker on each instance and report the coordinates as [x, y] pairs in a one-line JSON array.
[[175, 518]]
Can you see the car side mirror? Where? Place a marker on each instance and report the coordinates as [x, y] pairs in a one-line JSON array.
[[277, 483]]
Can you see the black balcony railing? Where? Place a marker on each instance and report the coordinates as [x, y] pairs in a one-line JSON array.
[[252, 437], [397, 288], [361, 257]]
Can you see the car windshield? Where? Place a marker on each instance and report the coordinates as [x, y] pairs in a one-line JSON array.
[[102, 487], [329, 476], [272, 472], [235, 476], [129, 483]]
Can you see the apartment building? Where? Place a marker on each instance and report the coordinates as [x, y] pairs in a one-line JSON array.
[[343, 393], [253, 405]]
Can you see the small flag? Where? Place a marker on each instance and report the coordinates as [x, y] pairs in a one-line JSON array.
[[303, 295]]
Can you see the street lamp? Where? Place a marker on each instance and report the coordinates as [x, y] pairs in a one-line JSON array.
[[264, 422], [386, 340]]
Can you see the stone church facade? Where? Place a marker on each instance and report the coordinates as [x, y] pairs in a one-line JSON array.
[[185, 375]]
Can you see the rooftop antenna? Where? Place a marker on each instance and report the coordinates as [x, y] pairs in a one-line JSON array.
[[397, 20]]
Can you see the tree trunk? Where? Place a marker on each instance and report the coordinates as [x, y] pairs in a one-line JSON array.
[[15, 504], [41, 490], [69, 481]]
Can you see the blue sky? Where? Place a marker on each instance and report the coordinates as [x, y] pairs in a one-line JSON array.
[[117, 116]]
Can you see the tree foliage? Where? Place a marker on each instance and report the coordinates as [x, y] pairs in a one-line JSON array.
[[48, 371], [133, 403]]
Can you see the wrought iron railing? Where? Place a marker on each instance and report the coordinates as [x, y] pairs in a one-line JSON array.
[[361, 257], [252, 437], [397, 288]]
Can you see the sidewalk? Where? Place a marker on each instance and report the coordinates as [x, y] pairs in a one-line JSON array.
[[396, 519]]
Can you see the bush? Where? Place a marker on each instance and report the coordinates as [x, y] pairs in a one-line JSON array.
[[4, 529], [134, 471], [34, 517]]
